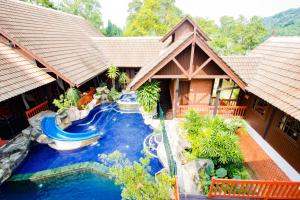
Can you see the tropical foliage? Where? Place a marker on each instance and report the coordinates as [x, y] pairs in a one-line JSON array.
[[113, 94], [123, 79], [112, 30], [73, 95], [151, 17], [113, 73], [234, 36], [70, 98], [88, 9], [215, 139], [148, 95], [135, 178]]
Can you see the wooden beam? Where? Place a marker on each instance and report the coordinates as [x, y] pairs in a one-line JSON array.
[[180, 67], [201, 67], [176, 97], [162, 64], [220, 63], [218, 97], [168, 76], [192, 60], [211, 77]]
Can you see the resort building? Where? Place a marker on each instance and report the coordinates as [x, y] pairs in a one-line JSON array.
[[43, 52]]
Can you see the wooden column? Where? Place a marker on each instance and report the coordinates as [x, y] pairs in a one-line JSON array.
[[218, 97], [269, 122], [176, 97]]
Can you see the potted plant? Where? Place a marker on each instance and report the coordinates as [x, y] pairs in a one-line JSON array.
[[148, 96]]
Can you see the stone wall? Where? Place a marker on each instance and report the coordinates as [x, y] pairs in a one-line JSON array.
[[12, 154]]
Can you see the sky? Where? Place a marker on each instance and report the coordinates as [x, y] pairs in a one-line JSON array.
[[116, 10]]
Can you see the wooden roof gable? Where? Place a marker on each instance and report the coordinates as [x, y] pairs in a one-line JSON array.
[[169, 55], [185, 20]]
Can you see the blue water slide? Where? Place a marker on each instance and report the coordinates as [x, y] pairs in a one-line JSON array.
[[50, 128]]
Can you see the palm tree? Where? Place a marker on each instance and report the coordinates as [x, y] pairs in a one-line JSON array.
[[113, 73]]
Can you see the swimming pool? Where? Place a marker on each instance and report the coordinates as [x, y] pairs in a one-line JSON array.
[[121, 131], [76, 186]]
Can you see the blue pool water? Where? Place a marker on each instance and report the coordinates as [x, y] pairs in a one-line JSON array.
[[77, 186], [124, 132], [128, 98]]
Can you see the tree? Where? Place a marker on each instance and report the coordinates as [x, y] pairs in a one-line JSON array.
[[135, 178], [207, 25], [45, 3], [151, 17], [112, 30], [123, 79], [234, 36], [113, 73], [88, 9]]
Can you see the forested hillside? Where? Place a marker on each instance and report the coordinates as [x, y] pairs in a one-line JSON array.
[[286, 23]]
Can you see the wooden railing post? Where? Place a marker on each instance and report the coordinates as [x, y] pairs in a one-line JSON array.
[[176, 189], [211, 189]]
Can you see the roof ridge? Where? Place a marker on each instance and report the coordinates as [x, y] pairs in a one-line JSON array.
[[127, 37], [45, 8]]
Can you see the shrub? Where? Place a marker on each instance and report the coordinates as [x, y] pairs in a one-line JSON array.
[[215, 139], [62, 103], [123, 79], [70, 98], [212, 138], [148, 95], [73, 95], [135, 178], [113, 94]]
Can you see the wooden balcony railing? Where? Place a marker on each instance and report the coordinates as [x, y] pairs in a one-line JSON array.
[[225, 102], [254, 189], [225, 111], [37, 109]]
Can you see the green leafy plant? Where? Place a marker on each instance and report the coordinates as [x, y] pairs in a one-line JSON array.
[[135, 178], [73, 95], [113, 94], [212, 138], [221, 172], [215, 139], [148, 95], [113, 73], [123, 79], [62, 103]]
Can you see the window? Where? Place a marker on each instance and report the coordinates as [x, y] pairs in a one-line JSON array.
[[260, 106], [290, 126]]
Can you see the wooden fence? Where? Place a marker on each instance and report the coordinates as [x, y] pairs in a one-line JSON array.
[[225, 111], [37, 109], [254, 189]]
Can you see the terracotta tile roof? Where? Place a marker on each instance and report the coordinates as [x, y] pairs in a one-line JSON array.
[[164, 53], [129, 51], [17, 74], [244, 66], [60, 41], [277, 79]]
